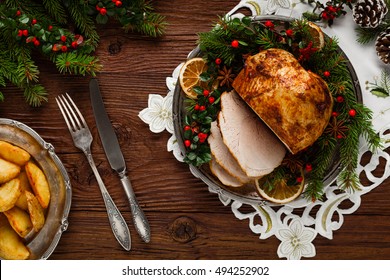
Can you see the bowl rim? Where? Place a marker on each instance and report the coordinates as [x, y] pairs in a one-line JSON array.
[[212, 183], [63, 225]]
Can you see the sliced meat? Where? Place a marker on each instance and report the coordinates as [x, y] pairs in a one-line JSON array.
[[223, 156], [222, 175], [255, 147]]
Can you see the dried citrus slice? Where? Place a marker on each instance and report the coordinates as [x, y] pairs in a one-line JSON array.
[[281, 192], [317, 35], [189, 75]]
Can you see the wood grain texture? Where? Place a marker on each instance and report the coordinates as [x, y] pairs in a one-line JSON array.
[[187, 222]]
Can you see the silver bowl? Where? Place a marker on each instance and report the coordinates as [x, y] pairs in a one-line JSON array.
[[248, 193], [42, 244]]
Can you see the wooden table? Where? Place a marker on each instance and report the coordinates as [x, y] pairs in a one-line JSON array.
[[187, 222]]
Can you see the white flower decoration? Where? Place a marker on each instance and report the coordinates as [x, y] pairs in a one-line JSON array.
[[173, 146], [296, 241], [172, 81], [274, 5], [158, 114]]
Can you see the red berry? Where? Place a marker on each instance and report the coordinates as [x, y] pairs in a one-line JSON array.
[[34, 21], [20, 33], [235, 44], [50, 27], [299, 179], [218, 61], [211, 99], [98, 8], [339, 136], [340, 99], [74, 44], [36, 42], [187, 143], [202, 108], [196, 107], [206, 92], [103, 11], [63, 38], [64, 48], [118, 3], [269, 24], [202, 137], [18, 13], [352, 112], [335, 114], [187, 127], [308, 167], [25, 32], [289, 32], [327, 74]]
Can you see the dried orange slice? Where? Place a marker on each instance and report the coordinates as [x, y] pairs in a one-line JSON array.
[[281, 192], [317, 35], [190, 75]]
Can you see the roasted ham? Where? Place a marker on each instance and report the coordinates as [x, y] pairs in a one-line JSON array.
[[254, 146], [295, 104]]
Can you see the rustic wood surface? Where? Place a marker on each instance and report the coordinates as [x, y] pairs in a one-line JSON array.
[[187, 222]]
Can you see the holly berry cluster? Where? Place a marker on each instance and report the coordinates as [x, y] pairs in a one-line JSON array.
[[328, 11], [203, 111], [43, 35], [106, 8]]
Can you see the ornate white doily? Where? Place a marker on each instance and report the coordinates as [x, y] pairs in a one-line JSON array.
[[297, 229]]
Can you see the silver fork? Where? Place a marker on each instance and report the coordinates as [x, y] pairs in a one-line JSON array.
[[82, 139]]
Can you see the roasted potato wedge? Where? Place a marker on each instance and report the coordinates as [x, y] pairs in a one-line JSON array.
[[9, 194], [38, 183], [11, 245], [8, 170], [13, 153], [25, 186], [36, 211], [19, 221]]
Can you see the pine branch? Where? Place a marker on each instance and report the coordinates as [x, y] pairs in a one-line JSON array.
[[35, 94], [83, 21], [56, 10], [78, 64], [153, 25]]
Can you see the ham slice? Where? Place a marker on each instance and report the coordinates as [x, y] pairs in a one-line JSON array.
[[255, 147], [223, 175], [223, 157]]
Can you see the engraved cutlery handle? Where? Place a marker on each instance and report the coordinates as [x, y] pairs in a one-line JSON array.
[[117, 222], [140, 221]]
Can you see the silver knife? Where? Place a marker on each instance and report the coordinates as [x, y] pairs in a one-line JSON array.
[[115, 158]]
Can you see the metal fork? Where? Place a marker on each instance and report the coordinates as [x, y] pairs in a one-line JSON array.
[[82, 139]]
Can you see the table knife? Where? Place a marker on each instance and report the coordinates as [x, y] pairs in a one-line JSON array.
[[116, 159]]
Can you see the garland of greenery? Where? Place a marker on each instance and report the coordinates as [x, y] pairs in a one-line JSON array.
[[225, 49], [66, 33]]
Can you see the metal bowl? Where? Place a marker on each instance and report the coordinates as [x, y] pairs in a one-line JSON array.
[[42, 244], [248, 193]]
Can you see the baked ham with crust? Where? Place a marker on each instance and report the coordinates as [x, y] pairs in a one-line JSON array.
[[254, 146], [295, 104]]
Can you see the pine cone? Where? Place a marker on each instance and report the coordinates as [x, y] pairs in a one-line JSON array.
[[382, 46], [369, 13]]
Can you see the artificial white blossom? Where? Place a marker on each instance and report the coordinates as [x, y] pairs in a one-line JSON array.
[[173, 146], [296, 241], [158, 114], [172, 81]]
